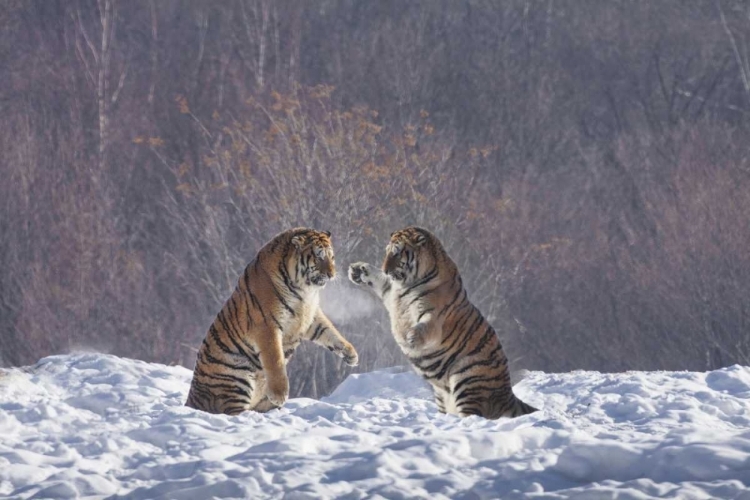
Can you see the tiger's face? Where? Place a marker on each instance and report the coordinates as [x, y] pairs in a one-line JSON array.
[[407, 254], [316, 264]]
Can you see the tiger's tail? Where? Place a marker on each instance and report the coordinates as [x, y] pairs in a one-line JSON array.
[[519, 408]]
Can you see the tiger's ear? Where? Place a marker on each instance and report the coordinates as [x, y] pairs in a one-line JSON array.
[[420, 240], [327, 233], [299, 241]]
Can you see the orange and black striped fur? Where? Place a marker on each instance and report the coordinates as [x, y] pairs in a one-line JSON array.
[[241, 364], [443, 334]]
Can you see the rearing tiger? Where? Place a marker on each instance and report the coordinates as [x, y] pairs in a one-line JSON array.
[[241, 364], [443, 334]]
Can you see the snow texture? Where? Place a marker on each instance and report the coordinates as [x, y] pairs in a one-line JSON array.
[[98, 426]]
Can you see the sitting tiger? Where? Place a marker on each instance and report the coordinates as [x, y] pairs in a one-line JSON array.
[[241, 364], [443, 334]]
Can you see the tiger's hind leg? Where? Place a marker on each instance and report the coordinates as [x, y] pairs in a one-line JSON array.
[[199, 398], [237, 399], [440, 398], [222, 389], [219, 398], [487, 395]]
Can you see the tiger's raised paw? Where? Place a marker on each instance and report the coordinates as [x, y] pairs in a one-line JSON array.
[[347, 352], [360, 273], [350, 356]]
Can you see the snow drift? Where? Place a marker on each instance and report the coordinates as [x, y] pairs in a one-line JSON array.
[[92, 425]]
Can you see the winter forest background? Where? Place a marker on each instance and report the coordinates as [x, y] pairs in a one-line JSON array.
[[584, 161]]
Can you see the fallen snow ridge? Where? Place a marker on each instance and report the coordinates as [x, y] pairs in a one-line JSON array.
[[91, 425]]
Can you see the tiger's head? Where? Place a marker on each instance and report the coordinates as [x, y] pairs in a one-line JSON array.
[[411, 253], [315, 263]]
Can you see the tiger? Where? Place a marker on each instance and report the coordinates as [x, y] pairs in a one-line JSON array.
[[241, 364], [444, 336]]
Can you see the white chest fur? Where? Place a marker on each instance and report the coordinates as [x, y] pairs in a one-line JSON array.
[[403, 313], [296, 324]]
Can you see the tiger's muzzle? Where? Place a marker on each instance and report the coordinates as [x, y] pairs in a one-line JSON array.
[[326, 272], [392, 267]]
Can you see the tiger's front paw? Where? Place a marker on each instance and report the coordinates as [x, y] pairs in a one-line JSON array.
[[277, 390], [345, 351], [360, 273]]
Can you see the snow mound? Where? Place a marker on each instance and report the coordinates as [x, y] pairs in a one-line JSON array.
[[98, 426]]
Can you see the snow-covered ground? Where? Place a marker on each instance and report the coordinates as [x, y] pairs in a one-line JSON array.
[[92, 425]]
